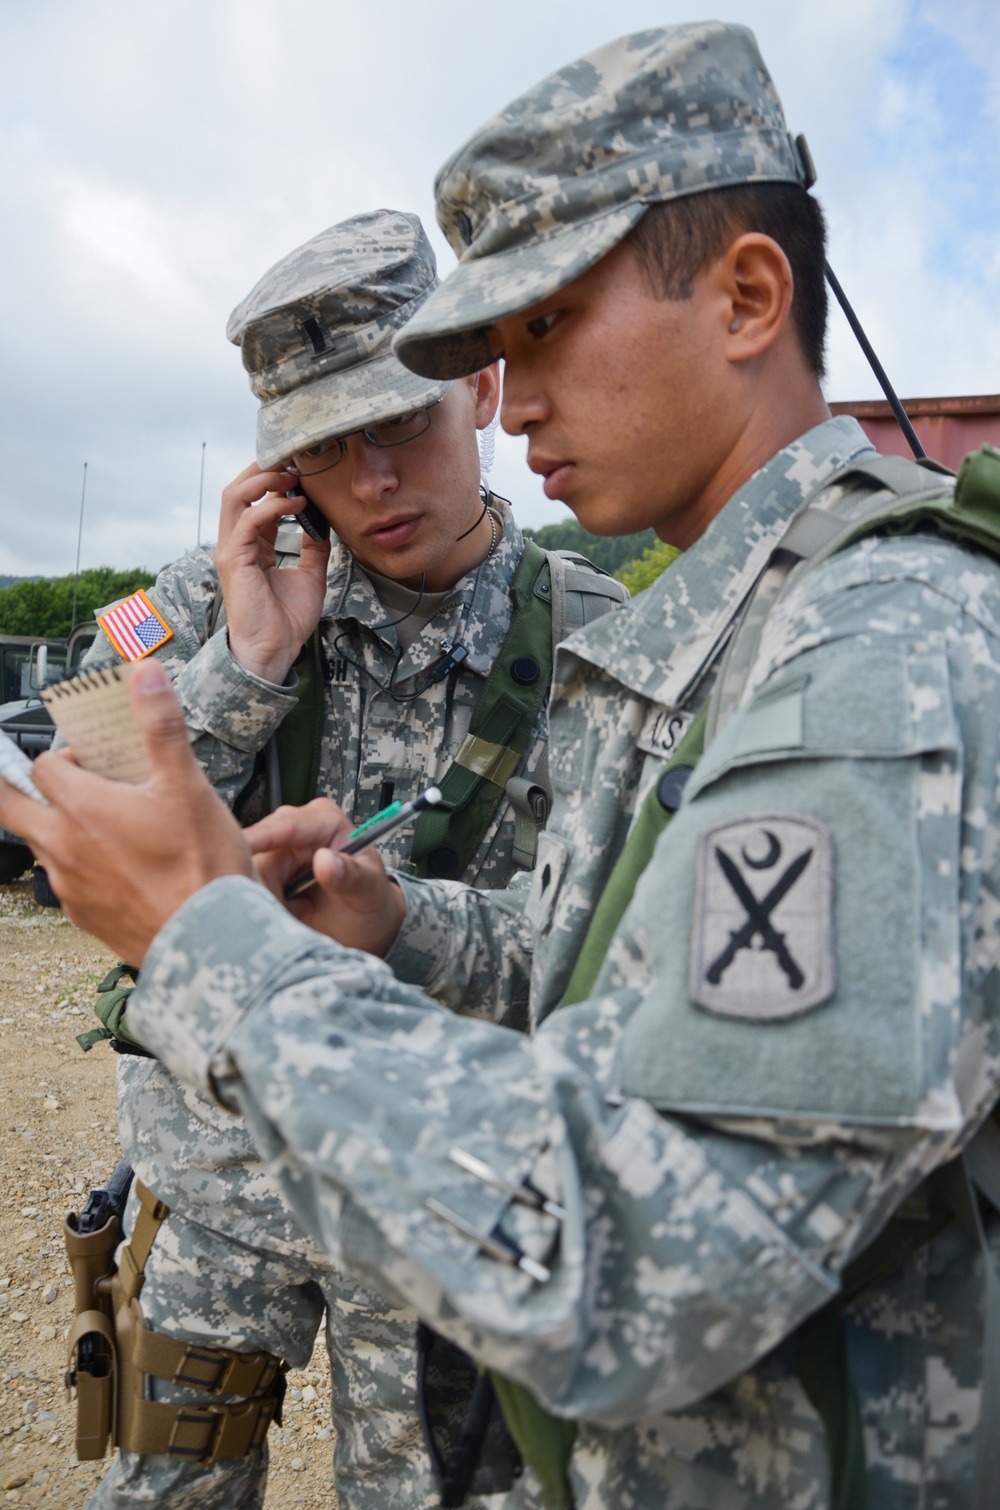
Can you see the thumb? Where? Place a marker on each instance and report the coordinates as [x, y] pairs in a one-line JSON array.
[[160, 721], [357, 880]]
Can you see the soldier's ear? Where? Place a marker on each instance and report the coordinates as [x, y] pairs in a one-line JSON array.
[[755, 279], [486, 386]]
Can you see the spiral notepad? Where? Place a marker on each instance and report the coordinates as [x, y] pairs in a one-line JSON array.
[[93, 714]]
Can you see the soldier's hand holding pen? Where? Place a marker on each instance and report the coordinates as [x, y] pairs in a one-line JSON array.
[[353, 900]]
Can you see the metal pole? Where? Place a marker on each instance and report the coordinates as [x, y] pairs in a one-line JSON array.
[[902, 418], [79, 537], [201, 488]]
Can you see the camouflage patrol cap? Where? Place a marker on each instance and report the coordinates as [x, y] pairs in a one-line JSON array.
[[547, 187], [316, 332]]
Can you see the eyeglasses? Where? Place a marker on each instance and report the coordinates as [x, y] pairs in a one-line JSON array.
[[326, 454]]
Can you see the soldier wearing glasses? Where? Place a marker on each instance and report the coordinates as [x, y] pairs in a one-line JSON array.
[[412, 605], [717, 1223]]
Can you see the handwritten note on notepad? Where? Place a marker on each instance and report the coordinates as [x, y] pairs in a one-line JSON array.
[[93, 714]]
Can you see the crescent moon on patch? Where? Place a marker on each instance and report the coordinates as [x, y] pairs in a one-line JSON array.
[[771, 858]]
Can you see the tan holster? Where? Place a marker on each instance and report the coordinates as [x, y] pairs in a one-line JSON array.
[[110, 1353]]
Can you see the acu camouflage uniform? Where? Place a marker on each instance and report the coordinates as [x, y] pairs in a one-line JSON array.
[[718, 1171], [231, 1266]]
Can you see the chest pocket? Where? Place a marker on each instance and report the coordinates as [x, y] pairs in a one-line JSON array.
[[861, 742]]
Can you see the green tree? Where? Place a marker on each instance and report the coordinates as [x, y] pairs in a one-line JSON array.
[[608, 552], [643, 571], [44, 605]]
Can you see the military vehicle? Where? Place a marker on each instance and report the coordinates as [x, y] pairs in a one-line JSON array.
[[26, 666]]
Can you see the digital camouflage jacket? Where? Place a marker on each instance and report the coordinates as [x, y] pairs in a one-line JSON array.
[[193, 1156], [797, 1020]]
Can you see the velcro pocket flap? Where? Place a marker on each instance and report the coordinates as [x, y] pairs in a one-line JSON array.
[[861, 745]]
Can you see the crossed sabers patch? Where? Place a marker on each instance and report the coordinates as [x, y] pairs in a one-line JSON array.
[[762, 927]]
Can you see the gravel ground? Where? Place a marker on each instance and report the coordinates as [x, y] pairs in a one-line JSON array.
[[59, 1108]]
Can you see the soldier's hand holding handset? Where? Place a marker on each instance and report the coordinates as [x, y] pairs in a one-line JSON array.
[[270, 613]]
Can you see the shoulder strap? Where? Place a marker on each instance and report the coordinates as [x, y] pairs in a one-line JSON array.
[[298, 739], [554, 593], [881, 493], [508, 704], [581, 592]]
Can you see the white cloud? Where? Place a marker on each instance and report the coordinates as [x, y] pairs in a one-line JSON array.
[[156, 159]]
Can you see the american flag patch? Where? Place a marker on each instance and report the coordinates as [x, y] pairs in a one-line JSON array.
[[135, 628]]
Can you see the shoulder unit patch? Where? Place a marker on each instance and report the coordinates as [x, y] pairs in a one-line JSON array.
[[134, 627], [762, 942]]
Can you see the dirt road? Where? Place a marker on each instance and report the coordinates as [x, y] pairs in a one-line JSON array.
[[60, 1139]]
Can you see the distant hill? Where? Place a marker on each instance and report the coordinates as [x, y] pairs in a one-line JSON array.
[[606, 551], [44, 605], [10, 581]]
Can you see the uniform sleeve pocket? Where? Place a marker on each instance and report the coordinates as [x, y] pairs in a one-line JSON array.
[[797, 934], [857, 702]]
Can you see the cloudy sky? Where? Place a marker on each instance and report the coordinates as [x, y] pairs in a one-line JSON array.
[[157, 158]]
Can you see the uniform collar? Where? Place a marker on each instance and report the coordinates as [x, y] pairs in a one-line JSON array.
[[660, 648], [477, 610]]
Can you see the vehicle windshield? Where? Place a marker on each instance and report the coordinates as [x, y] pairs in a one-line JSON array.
[[18, 679]]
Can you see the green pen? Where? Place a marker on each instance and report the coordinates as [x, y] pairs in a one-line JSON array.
[[370, 832]]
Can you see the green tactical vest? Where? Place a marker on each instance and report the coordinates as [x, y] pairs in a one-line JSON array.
[[904, 501], [553, 594]]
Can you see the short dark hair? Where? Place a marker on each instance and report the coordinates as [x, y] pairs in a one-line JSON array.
[[678, 238]]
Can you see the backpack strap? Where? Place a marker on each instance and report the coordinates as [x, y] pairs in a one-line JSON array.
[[297, 742], [883, 493], [581, 593], [546, 1441], [530, 799], [511, 698], [662, 801], [554, 593]]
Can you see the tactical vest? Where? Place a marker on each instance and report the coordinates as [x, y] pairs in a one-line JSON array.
[[897, 497], [554, 593]]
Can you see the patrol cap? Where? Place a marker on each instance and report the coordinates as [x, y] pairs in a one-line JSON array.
[[316, 332], [547, 187]]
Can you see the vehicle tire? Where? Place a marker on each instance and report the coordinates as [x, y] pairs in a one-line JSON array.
[[44, 895], [14, 861]]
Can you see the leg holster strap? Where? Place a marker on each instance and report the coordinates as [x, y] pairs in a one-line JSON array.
[[112, 1403], [133, 1257], [201, 1433], [214, 1370]]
